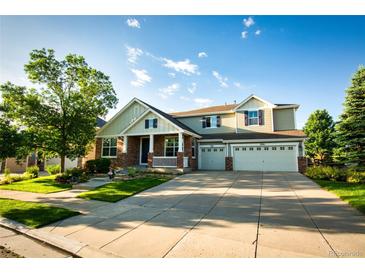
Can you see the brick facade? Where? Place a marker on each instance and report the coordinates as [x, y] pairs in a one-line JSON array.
[[180, 160], [98, 146], [158, 145], [132, 157], [302, 164], [150, 160], [229, 163]]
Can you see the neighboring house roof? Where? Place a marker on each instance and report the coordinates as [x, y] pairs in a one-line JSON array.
[[283, 134], [227, 108], [100, 122], [213, 109], [170, 118]]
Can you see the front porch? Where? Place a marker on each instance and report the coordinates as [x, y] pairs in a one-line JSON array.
[[160, 152]]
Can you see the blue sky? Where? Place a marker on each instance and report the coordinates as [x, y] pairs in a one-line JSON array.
[[306, 60]]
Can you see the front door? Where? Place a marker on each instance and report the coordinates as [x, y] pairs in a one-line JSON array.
[[145, 148]]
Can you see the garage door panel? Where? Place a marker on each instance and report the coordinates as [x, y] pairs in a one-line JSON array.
[[212, 158], [265, 158]]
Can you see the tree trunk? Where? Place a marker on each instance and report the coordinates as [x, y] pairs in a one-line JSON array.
[[62, 163]]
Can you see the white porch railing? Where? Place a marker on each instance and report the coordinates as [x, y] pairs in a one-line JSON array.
[[186, 161], [162, 161], [165, 161]]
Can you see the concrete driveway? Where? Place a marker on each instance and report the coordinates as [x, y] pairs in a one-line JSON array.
[[224, 214]]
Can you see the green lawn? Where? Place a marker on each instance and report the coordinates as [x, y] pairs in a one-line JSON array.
[[354, 194], [32, 214], [46, 184], [119, 190]]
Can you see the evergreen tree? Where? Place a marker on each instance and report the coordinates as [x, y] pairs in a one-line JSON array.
[[351, 127]]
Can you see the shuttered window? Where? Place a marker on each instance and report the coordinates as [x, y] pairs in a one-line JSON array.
[[150, 123], [254, 117]]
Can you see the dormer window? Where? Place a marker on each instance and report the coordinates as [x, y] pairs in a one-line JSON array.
[[150, 123], [211, 121], [254, 117]]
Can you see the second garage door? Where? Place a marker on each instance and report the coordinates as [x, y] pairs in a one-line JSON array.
[[212, 158], [265, 158]]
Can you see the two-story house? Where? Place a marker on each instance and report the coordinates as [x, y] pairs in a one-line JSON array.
[[253, 135]]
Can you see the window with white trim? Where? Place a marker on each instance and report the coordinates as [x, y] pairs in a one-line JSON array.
[[193, 148], [171, 146], [150, 123], [211, 121], [253, 117], [109, 147]]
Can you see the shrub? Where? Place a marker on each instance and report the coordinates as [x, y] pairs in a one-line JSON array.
[[98, 165], [74, 172], [34, 170], [326, 172], [102, 165], [133, 171], [7, 172], [16, 178], [72, 175], [91, 166], [53, 169], [356, 177]]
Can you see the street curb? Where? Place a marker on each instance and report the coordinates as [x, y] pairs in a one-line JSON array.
[[72, 247]]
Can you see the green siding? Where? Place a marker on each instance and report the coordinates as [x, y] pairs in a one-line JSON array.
[[284, 119]]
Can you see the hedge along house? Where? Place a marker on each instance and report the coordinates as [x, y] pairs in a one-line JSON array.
[[252, 135], [142, 135]]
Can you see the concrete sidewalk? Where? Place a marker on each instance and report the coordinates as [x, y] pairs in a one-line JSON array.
[[220, 214]]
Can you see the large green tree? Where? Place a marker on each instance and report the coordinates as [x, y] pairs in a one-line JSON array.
[[61, 114], [319, 129], [351, 127], [10, 139]]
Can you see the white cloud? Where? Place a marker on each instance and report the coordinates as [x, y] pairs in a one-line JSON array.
[[169, 90], [237, 84], [202, 54], [185, 67], [142, 77], [258, 32], [133, 54], [184, 98], [248, 22], [222, 80], [244, 34], [172, 74], [203, 101], [133, 23], [192, 88]]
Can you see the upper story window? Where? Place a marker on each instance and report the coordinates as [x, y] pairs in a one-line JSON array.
[[150, 123], [254, 117], [211, 121], [109, 147]]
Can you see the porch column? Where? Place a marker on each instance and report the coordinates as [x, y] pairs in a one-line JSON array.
[[180, 153], [151, 143], [150, 153], [125, 143], [181, 142]]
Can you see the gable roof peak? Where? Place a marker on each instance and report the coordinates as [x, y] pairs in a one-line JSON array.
[[256, 97]]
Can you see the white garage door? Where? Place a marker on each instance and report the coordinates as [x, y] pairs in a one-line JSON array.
[[212, 158], [265, 158]]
